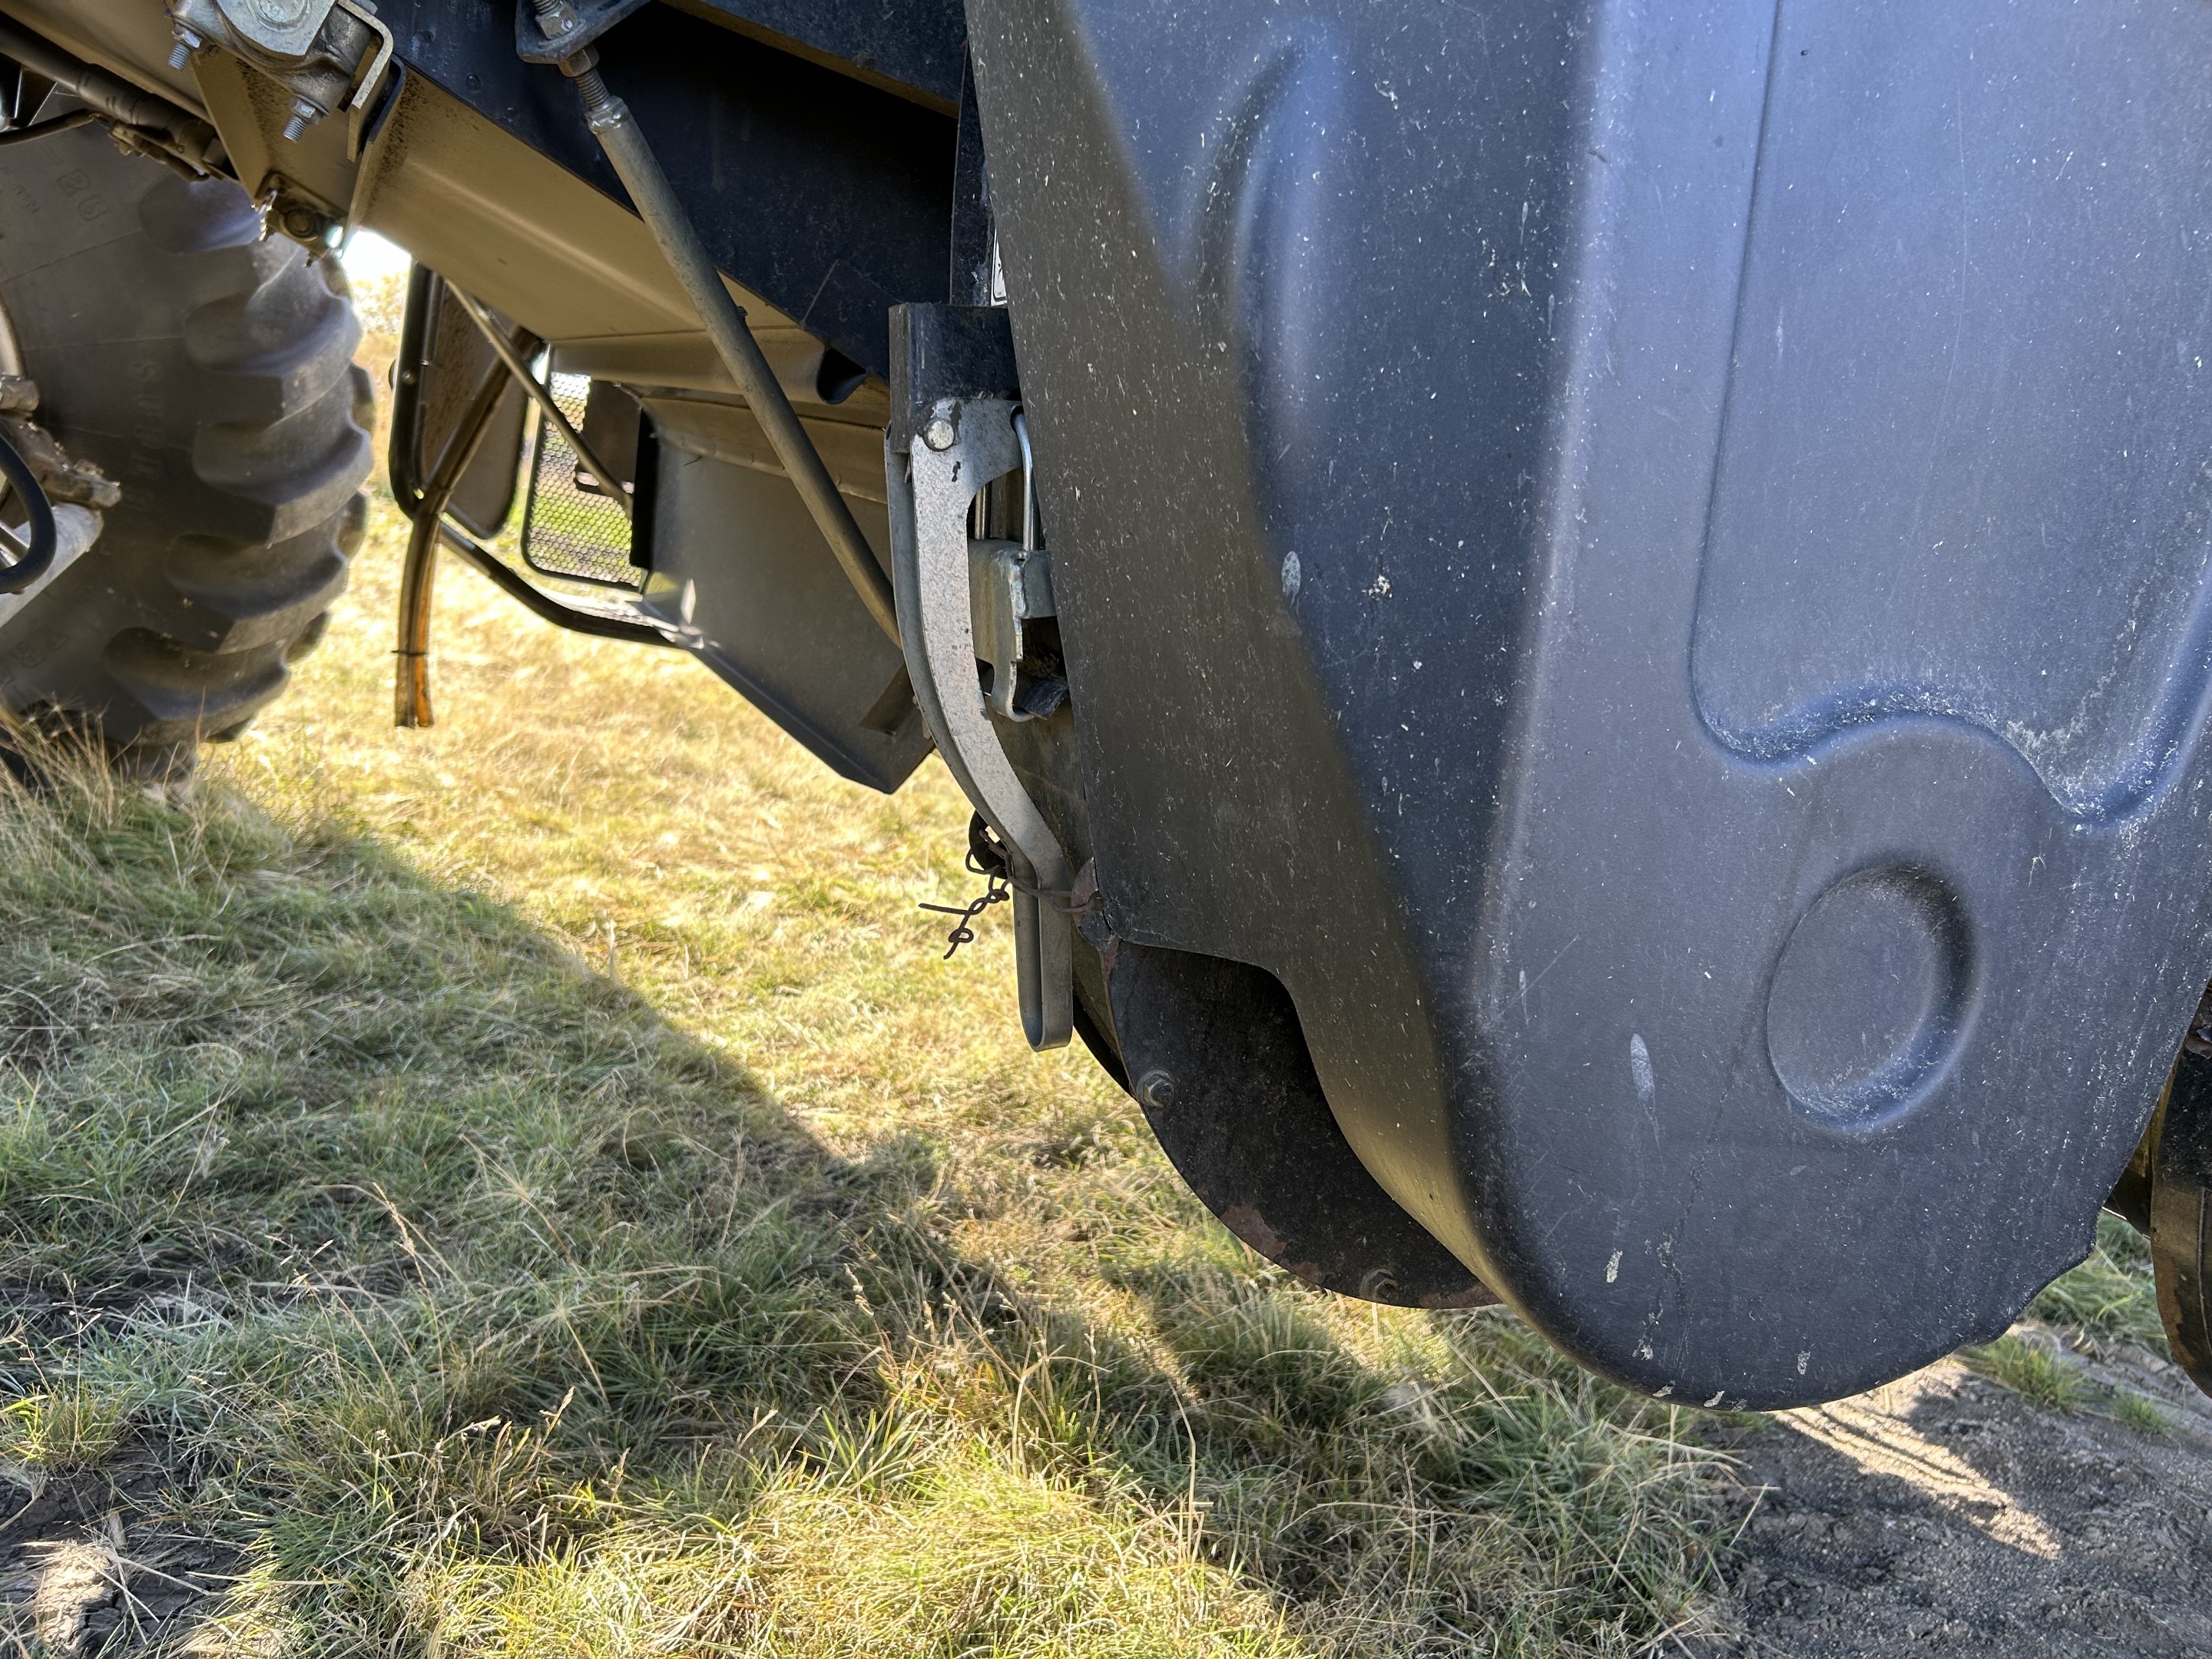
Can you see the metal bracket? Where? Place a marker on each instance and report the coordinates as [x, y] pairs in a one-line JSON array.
[[379, 56], [328, 54], [1010, 585], [962, 447]]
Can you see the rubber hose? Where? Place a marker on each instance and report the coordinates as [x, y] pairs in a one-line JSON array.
[[39, 557]]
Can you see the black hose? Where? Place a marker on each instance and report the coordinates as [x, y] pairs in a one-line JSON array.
[[108, 93], [39, 557]]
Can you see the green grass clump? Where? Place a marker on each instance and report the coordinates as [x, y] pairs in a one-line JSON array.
[[2139, 1414], [771, 1301], [76, 1426], [2033, 1371], [2036, 1372], [2111, 1296]]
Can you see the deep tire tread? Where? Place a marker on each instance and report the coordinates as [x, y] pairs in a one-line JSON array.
[[241, 461]]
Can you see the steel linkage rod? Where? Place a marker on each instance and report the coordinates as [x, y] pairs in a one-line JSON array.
[[543, 398], [724, 319]]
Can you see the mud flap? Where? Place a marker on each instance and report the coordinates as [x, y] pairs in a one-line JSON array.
[[1649, 565], [1215, 1059]]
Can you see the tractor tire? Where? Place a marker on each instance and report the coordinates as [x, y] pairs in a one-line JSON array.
[[209, 371]]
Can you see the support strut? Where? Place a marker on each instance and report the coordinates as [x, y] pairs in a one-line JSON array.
[[724, 319]]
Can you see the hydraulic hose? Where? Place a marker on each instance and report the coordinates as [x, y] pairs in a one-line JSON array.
[[39, 554], [724, 319]]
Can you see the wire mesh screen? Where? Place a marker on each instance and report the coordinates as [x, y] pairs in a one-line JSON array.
[[571, 530]]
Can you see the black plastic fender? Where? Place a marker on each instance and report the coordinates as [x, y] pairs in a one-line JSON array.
[[1650, 563]]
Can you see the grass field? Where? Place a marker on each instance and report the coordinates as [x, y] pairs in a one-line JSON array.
[[532, 1187]]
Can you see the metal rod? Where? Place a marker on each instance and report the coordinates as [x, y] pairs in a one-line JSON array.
[[575, 619], [77, 117], [110, 95], [1028, 483], [410, 690], [543, 398], [724, 322]]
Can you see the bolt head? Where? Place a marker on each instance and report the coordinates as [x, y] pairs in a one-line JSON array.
[[940, 435], [1379, 1284], [1156, 1090]]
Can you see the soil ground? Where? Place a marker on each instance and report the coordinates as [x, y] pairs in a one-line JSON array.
[[1947, 1514]]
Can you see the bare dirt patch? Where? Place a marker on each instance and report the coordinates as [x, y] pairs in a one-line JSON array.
[[1947, 1514], [90, 1564]]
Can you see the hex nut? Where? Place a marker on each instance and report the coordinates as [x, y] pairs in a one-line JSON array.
[[1156, 1090]]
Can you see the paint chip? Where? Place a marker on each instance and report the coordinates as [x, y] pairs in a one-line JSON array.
[[1640, 1067], [1613, 1272]]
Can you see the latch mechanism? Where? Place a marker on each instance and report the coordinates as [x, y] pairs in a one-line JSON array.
[[1009, 588], [964, 447]]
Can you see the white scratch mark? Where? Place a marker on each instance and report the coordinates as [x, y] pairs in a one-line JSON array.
[[1803, 1360], [1640, 1067], [1613, 1269]]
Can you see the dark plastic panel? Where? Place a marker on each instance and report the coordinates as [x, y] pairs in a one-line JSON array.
[[442, 360], [828, 197], [738, 562], [1650, 563], [913, 47]]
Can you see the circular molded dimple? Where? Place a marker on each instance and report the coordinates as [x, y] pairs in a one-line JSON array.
[[1870, 994]]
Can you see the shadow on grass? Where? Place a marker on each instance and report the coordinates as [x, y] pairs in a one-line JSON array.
[[379, 1278]]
